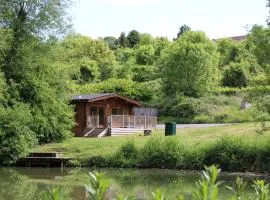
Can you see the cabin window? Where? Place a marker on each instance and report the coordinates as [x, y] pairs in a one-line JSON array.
[[117, 111], [93, 111]]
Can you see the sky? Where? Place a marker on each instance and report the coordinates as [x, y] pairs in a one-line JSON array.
[[217, 18]]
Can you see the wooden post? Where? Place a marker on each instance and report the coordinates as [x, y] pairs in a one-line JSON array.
[[111, 122], [123, 121], [144, 122], [134, 122]]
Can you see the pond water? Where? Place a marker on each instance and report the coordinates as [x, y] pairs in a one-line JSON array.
[[30, 183]]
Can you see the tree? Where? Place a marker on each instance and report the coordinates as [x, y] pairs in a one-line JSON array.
[[161, 43], [184, 28], [85, 56], [146, 39], [28, 18], [111, 42], [258, 43], [228, 50], [133, 38], [235, 75], [122, 41], [145, 55], [143, 73], [188, 66], [36, 107]]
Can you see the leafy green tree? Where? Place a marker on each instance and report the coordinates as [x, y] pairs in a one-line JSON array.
[[129, 88], [125, 55], [188, 66], [143, 73], [133, 38], [122, 41], [37, 104], [146, 39], [184, 28], [228, 50], [145, 55], [235, 75], [258, 43], [89, 60], [161, 43], [111, 42]]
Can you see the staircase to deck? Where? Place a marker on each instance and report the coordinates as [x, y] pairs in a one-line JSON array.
[[125, 131], [96, 132]]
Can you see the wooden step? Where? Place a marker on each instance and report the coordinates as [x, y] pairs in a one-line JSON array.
[[125, 131], [95, 132]]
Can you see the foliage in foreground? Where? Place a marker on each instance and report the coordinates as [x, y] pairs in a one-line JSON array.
[[207, 188], [230, 153]]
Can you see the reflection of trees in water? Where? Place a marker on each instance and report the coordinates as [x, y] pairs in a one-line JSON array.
[[29, 183], [14, 186], [141, 183]]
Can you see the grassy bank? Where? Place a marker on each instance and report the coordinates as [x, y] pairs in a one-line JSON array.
[[234, 147]]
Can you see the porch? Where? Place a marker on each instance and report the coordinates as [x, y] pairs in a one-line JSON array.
[[123, 121]]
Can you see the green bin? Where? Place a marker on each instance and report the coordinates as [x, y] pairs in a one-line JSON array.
[[170, 128]]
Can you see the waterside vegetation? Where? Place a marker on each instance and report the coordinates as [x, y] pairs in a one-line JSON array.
[[235, 147]]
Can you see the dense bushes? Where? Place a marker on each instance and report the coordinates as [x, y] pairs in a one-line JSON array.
[[231, 154], [208, 109], [16, 137], [161, 153], [235, 75]]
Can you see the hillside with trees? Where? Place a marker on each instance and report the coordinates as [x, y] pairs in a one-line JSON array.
[[191, 79]]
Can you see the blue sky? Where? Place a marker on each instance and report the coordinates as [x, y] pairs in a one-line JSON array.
[[218, 18]]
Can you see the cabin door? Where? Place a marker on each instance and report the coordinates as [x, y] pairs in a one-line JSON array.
[[97, 117]]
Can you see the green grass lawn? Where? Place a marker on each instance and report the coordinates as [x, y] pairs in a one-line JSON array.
[[83, 148]]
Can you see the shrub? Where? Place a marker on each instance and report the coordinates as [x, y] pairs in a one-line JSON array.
[[235, 76], [16, 136], [98, 161], [161, 153], [126, 156], [231, 154]]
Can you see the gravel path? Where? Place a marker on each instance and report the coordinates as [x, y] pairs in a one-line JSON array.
[[162, 126]]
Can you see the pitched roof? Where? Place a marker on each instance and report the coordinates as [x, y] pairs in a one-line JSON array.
[[234, 38], [101, 96]]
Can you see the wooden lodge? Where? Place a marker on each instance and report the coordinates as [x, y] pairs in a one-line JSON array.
[[98, 115]]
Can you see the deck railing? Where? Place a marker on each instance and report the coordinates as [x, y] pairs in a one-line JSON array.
[[130, 121]]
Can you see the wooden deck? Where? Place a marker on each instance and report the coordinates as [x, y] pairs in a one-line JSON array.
[[44, 160], [132, 122]]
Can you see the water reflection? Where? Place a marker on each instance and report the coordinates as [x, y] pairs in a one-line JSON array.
[[29, 183]]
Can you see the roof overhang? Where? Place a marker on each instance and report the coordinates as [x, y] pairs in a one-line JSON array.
[[107, 96]]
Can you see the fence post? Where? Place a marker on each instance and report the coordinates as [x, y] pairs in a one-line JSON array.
[[134, 121], [111, 121], [144, 122], [123, 121], [97, 122]]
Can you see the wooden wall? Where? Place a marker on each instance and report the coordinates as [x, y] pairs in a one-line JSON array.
[[79, 118]]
